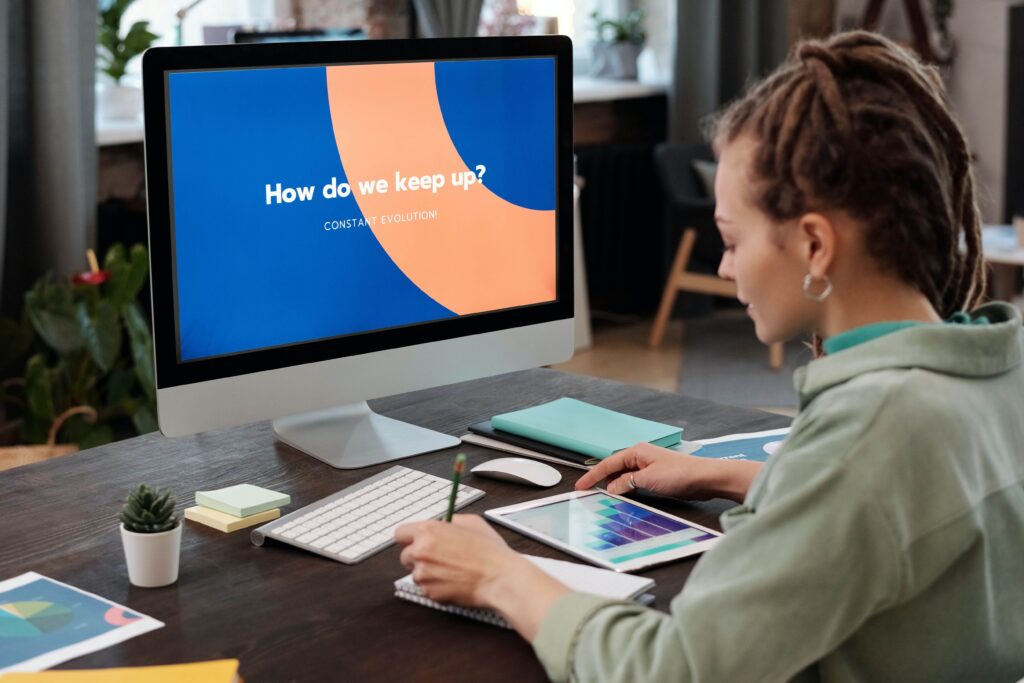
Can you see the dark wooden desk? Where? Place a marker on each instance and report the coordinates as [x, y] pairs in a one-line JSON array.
[[290, 615]]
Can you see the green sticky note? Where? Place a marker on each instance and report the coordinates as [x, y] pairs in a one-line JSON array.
[[242, 500]]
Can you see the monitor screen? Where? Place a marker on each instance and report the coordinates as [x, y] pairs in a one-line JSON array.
[[319, 202]]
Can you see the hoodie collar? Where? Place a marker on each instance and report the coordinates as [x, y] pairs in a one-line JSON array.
[[962, 350]]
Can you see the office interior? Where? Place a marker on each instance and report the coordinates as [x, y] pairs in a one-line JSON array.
[[652, 331]]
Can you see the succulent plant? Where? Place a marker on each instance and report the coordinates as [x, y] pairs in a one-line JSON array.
[[149, 511]]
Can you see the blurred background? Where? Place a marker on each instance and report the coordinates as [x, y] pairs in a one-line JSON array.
[[74, 334]]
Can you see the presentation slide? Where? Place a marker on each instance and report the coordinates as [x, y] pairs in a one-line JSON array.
[[315, 202]]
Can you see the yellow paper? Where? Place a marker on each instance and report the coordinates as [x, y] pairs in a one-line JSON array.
[[216, 671]]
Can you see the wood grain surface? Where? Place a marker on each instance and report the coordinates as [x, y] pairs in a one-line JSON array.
[[288, 615]]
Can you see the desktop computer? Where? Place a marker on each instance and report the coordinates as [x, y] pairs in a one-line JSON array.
[[339, 221], [303, 35]]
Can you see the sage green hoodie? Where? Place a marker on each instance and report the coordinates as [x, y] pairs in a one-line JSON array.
[[884, 541]]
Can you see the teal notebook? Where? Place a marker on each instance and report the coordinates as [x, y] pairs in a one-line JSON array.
[[242, 500], [585, 428]]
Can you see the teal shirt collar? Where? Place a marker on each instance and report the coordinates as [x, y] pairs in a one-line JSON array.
[[866, 333], [981, 350]]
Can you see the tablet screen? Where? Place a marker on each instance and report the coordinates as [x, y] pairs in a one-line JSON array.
[[608, 528]]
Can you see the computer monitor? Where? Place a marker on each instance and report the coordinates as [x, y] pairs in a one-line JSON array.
[[298, 36], [335, 222]]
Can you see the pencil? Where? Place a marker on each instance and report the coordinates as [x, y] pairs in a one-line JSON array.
[[457, 469]]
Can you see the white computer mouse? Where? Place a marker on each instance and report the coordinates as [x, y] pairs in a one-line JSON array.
[[520, 471]]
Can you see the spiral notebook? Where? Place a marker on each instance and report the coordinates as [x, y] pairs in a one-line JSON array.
[[579, 577]]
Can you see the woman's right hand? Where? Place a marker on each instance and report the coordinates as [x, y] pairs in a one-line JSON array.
[[670, 473]]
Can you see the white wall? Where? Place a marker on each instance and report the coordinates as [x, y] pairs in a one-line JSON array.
[[977, 87], [976, 82], [660, 25]]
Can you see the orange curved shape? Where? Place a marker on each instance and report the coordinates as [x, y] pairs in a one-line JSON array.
[[480, 252]]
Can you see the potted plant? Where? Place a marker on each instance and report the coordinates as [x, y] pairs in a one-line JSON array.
[[151, 534], [619, 42], [118, 101], [80, 341]]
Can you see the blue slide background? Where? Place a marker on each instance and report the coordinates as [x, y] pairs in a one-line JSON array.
[[250, 275], [501, 113]]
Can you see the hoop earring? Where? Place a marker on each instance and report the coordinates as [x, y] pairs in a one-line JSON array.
[[821, 296]]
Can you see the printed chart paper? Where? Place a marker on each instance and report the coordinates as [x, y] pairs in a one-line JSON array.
[[45, 622], [756, 446]]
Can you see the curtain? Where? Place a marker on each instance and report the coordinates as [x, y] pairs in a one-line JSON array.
[[721, 46], [47, 141], [448, 18]]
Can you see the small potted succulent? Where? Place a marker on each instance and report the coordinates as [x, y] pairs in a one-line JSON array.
[[151, 534]]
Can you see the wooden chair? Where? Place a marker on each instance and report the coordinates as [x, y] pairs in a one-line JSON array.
[[918, 26], [689, 203]]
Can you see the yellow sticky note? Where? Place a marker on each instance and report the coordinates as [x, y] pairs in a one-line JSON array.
[[222, 521]]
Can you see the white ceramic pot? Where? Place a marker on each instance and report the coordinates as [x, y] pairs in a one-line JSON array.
[[615, 60], [152, 558], [120, 102]]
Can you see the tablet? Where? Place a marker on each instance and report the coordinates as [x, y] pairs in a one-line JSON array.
[[607, 530]]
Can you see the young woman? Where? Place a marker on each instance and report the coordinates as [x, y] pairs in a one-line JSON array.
[[885, 539]]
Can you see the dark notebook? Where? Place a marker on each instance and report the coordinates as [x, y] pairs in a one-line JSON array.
[[485, 429]]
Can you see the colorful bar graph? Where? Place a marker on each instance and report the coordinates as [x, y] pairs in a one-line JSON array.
[[617, 530], [649, 551]]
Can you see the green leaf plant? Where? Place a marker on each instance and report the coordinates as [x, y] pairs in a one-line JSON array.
[[149, 511], [80, 342], [625, 30], [114, 51]]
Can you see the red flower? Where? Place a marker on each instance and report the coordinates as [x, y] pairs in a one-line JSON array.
[[90, 278]]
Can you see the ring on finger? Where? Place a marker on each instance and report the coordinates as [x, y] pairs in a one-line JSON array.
[[632, 484]]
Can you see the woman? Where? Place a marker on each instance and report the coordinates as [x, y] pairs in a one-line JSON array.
[[885, 539]]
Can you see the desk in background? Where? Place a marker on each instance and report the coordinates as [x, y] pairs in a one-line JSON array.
[[1004, 252], [287, 614]]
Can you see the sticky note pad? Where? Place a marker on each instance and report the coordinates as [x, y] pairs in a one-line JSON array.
[[242, 500], [222, 521]]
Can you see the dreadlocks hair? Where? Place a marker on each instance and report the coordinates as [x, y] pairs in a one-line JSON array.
[[857, 123]]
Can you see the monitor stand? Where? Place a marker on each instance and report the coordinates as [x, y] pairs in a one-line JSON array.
[[352, 436]]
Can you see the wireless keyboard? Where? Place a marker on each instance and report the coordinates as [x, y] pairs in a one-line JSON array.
[[358, 521]]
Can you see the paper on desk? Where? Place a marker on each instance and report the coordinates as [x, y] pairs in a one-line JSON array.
[[45, 622], [756, 446], [578, 577]]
